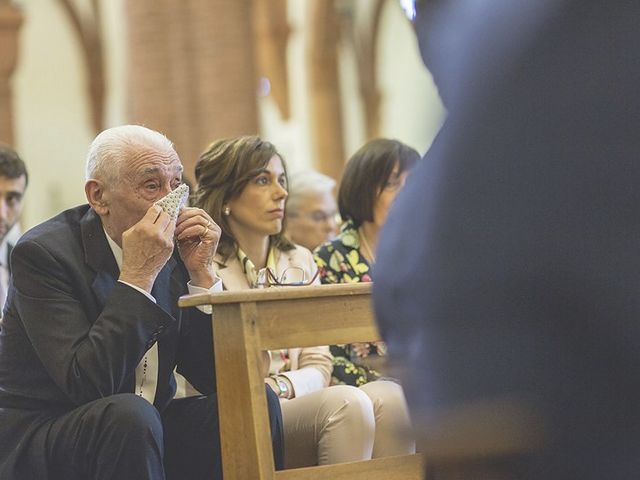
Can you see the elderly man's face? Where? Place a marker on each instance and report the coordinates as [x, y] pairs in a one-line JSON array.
[[144, 179], [11, 193], [315, 222]]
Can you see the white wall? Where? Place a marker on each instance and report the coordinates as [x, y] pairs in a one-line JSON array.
[[292, 137], [51, 117], [411, 109], [115, 55], [53, 125]]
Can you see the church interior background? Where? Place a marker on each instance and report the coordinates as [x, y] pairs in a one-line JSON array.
[[316, 77]]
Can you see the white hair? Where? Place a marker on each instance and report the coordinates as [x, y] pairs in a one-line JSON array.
[[114, 145], [307, 183]]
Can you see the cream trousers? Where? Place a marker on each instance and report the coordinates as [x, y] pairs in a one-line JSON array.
[[345, 424]]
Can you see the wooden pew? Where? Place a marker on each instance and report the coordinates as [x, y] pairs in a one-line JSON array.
[[248, 322]]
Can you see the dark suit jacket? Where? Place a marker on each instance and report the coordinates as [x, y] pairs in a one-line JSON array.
[[509, 269], [73, 334]]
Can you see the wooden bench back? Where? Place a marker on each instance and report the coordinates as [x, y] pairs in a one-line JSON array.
[[248, 322]]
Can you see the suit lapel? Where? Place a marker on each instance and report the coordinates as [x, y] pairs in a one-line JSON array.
[[98, 256], [8, 259], [164, 291], [161, 290]]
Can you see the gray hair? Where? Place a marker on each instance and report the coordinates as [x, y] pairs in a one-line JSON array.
[[112, 146], [306, 183]]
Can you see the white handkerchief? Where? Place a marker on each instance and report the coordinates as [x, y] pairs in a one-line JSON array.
[[174, 201]]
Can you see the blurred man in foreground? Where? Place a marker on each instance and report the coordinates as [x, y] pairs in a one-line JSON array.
[[514, 313]]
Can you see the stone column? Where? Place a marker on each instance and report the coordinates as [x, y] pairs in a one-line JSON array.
[[325, 101], [191, 71], [271, 40], [10, 21]]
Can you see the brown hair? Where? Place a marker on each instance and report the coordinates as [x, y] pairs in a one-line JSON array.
[[366, 174], [222, 172]]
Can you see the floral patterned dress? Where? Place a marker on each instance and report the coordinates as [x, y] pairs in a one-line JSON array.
[[340, 261]]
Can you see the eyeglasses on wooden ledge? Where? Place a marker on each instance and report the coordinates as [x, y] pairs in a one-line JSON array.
[[291, 277]]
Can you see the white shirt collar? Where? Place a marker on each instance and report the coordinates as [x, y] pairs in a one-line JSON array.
[[4, 246], [115, 249]]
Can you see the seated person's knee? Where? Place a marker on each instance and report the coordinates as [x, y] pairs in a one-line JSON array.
[[130, 415]]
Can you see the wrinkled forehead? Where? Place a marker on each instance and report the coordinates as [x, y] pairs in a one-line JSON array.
[[148, 162]]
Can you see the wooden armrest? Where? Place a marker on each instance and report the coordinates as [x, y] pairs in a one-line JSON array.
[[276, 293], [301, 316]]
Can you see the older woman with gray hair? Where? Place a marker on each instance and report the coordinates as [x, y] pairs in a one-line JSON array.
[[311, 209]]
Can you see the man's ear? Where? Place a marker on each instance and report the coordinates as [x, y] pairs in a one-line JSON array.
[[95, 192]]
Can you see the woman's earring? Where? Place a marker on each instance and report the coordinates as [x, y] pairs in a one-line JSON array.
[[226, 211]]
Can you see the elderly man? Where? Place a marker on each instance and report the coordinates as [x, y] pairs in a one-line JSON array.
[[311, 209], [13, 183], [92, 331]]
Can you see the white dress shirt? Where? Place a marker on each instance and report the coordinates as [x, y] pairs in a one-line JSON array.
[[4, 272], [147, 369], [12, 237]]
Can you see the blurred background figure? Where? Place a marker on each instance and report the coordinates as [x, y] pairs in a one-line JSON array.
[[13, 183], [508, 272], [311, 209], [374, 175]]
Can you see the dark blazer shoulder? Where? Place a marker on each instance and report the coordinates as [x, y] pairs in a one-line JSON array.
[[64, 226], [70, 248]]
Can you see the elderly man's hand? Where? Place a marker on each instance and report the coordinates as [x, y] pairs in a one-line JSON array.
[[146, 247], [197, 236]]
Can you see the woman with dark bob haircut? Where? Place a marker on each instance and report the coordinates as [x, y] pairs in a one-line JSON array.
[[242, 183], [372, 178]]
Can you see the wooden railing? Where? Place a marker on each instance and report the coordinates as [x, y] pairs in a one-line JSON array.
[[248, 322]]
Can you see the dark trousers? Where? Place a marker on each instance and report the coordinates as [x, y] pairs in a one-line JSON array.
[[124, 437]]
